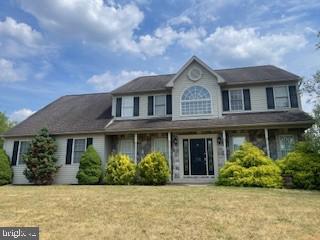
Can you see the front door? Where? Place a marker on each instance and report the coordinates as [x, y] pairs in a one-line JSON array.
[[198, 156]]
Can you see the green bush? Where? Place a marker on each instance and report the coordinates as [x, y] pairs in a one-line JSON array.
[[153, 169], [303, 165], [41, 160], [90, 167], [5, 169], [250, 167], [120, 170]]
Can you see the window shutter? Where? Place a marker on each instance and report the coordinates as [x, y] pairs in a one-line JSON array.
[[89, 142], [169, 104], [225, 100], [136, 106], [293, 96], [246, 99], [270, 99], [150, 105], [69, 151], [118, 107], [15, 153]]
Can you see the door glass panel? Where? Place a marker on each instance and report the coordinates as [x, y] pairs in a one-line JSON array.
[[186, 156], [210, 156]]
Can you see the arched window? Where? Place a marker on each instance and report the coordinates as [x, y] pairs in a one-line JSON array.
[[195, 100]]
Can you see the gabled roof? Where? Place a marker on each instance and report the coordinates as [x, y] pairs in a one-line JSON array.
[[226, 77], [201, 63], [70, 114]]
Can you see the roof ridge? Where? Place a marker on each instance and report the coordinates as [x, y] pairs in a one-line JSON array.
[[82, 94], [254, 66]]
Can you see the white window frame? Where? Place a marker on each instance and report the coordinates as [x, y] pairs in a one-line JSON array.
[[279, 143], [242, 99], [288, 96], [154, 105], [133, 147], [123, 107], [197, 114], [166, 142], [18, 157], [237, 136], [73, 144]]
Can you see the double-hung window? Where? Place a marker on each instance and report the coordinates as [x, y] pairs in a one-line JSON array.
[[286, 144], [237, 141], [78, 149], [24, 148], [161, 145], [126, 146], [127, 106], [160, 105], [281, 96], [236, 100]]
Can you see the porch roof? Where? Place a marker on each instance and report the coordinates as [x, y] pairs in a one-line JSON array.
[[259, 119]]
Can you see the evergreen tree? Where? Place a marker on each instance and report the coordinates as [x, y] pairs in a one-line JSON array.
[[5, 169], [40, 159]]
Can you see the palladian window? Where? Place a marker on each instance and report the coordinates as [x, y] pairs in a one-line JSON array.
[[195, 100]]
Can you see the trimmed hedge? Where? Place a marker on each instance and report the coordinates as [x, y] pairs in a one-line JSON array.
[[120, 170], [90, 171], [5, 169], [153, 169], [303, 166], [250, 167]]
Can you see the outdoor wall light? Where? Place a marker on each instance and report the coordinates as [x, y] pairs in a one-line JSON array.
[[175, 140], [219, 140]]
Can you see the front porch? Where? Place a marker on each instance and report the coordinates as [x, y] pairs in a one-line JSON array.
[[197, 156]]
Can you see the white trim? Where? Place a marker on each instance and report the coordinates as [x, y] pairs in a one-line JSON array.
[[169, 150], [73, 143], [224, 145], [201, 63], [135, 147], [288, 94]]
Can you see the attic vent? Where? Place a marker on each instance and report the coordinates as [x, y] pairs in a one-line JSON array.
[[195, 74]]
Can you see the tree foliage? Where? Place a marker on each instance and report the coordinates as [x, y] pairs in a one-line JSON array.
[[5, 168], [90, 171], [5, 125], [40, 159]]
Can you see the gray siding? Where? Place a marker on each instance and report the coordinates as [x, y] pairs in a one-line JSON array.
[[207, 81], [67, 173]]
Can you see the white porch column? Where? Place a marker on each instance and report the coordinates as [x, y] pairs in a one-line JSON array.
[[224, 145], [266, 135], [169, 149], [135, 147]]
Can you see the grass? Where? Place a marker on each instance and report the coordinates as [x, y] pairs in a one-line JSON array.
[[168, 212]]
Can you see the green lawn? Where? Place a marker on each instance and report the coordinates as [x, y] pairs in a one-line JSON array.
[[168, 212]]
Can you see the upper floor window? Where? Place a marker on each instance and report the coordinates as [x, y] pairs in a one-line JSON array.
[[160, 105], [127, 106], [196, 100], [236, 100], [281, 96]]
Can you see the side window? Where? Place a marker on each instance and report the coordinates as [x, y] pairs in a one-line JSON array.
[[161, 145], [286, 144], [23, 149], [126, 146], [236, 100], [78, 149], [237, 141], [127, 106], [281, 97], [160, 105]]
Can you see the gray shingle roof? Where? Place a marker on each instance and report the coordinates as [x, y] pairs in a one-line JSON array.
[[69, 114], [145, 84], [274, 118], [232, 76]]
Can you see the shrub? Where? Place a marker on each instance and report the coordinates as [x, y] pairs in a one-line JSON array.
[[120, 170], [303, 165], [90, 167], [153, 169], [40, 159], [5, 169], [250, 167]]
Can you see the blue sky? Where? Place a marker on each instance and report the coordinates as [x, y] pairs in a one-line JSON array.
[[53, 48]]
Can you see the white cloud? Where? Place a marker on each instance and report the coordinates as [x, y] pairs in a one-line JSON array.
[[9, 72], [248, 44], [19, 39], [21, 114], [106, 23], [180, 20], [108, 81]]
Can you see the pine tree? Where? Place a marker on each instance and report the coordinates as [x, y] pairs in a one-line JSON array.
[[40, 159], [5, 168]]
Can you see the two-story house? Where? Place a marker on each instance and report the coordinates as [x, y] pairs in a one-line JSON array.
[[196, 117]]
